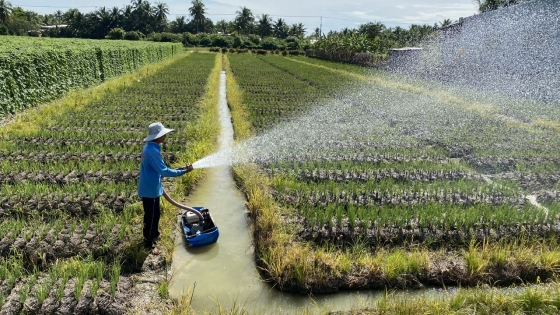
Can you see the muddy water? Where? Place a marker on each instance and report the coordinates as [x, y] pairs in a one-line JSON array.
[[225, 272]]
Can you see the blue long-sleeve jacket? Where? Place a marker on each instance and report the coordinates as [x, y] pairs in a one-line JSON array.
[[152, 169]]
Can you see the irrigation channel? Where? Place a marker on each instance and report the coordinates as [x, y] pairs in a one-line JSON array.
[[225, 272]]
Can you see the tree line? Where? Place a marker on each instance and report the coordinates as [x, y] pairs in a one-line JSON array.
[[141, 19]]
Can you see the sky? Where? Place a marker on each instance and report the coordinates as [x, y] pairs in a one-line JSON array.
[[336, 15]]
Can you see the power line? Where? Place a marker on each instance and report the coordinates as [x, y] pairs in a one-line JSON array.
[[54, 6]]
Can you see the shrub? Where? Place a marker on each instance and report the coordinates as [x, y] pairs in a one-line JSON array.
[[205, 41], [133, 35], [116, 33], [220, 41], [268, 44], [292, 43], [190, 40]]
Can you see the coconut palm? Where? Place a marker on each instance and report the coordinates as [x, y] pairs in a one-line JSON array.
[[76, 22], [197, 12], [244, 20], [127, 17], [179, 25], [161, 10], [222, 26], [5, 11], [280, 28], [58, 16], [297, 29], [317, 33], [264, 26]]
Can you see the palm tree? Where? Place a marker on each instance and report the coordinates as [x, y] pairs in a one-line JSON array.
[[297, 29], [58, 17], [280, 28], [161, 10], [137, 3], [317, 33], [143, 16], [264, 25], [5, 11], [446, 22], [179, 25], [76, 22], [197, 12], [115, 18], [127, 17], [244, 20], [222, 26], [47, 19]]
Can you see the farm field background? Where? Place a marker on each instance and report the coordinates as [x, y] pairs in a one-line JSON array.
[[413, 183], [36, 70], [70, 240]]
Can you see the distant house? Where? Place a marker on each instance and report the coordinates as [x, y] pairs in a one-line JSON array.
[[50, 27], [39, 33]]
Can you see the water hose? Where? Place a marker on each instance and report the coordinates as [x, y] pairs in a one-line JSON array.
[[182, 206]]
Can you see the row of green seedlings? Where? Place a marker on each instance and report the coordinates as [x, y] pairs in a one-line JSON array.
[[346, 170], [77, 153], [37, 285], [119, 120], [399, 159], [79, 168], [47, 239], [79, 199], [424, 216], [108, 109], [441, 189], [88, 144]]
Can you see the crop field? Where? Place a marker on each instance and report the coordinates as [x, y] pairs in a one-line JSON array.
[[70, 229], [439, 185], [35, 70]]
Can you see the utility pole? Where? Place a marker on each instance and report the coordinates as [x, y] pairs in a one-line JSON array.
[[321, 27]]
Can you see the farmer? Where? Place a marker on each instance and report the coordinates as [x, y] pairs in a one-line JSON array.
[[152, 169]]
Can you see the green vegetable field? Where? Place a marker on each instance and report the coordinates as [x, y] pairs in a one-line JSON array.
[[435, 190], [413, 183], [34, 70], [69, 240]]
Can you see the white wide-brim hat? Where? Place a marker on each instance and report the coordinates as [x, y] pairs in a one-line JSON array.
[[156, 130]]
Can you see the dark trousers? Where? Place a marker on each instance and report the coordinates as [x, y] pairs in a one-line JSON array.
[[152, 213]]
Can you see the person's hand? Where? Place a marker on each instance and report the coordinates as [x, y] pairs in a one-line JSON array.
[[189, 168]]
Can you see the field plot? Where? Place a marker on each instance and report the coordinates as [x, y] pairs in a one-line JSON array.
[[432, 184], [70, 236], [35, 70]]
